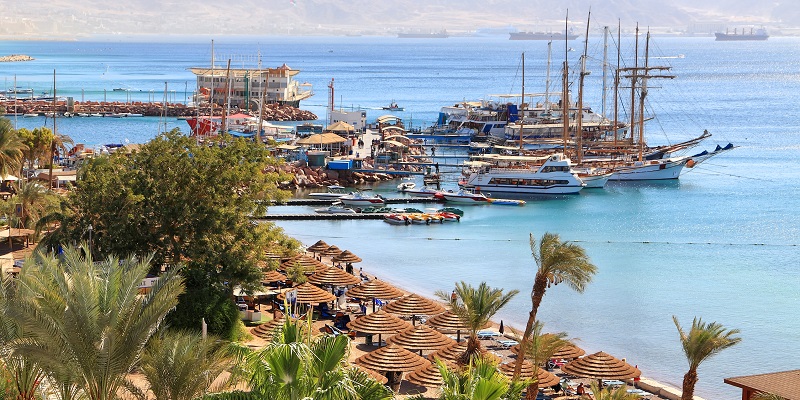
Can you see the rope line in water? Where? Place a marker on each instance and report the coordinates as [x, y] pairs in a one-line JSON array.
[[706, 171], [585, 241]]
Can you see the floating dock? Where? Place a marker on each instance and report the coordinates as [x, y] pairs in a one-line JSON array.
[[327, 202], [320, 216]]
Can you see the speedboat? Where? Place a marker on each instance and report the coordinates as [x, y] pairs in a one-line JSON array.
[[406, 186], [449, 217], [334, 192], [465, 197], [361, 199], [419, 218], [335, 210], [393, 107], [422, 192], [396, 219]]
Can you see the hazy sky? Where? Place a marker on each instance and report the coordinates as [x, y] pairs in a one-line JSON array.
[[77, 18]]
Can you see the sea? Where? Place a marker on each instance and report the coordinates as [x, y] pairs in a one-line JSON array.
[[721, 243]]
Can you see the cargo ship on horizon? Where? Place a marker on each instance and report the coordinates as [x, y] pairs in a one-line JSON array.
[[755, 34], [522, 35], [421, 35]]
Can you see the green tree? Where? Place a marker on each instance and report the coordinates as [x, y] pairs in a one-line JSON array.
[[295, 367], [38, 142], [612, 393], [701, 342], [19, 376], [11, 148], [539, 348], [180, 365], [34, 202], [475, 306], [480, 380], [86, 320], [767, 396], [183, 203], [556, 262]]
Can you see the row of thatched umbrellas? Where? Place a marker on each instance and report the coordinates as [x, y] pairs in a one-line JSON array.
[[399, 355]]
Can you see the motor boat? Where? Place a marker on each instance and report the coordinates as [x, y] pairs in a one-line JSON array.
[[449, 217], [422, 192], [406, 186], [334, 192], [396, 219], [335, 210], [465, 197], [361, 199]]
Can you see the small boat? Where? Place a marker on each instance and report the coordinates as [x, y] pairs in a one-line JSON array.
[[334, 192], [422, 192], [465, 197], [335, 210], [593, 178], [361, 199], [507, 202], [406, 186], [30, 115], [119, 89], [435, 218], [449, 217], [135, 115], [452, 210], [95, 115], [396, 219], [393, 107], [419, 218]]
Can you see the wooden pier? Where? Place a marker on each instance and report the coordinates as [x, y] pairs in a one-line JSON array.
[[321, 216], [327, 202]]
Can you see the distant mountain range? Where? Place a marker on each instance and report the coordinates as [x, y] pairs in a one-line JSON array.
[[75, 18]]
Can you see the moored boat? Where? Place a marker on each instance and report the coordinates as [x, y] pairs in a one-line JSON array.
[[334, 192], [396, 219], [465, 197], [361, 199], [422, 192], [522, 175], [335, 210], [406, 186]]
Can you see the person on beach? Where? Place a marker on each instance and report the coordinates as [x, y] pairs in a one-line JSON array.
[[453, 297], [581, 390]]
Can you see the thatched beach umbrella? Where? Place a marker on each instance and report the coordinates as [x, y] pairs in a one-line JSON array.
[[379, 323], [372, 373], [414, 304], [420, 338], [332, 251], [346, 257], [318, 247], [455, 350], [601, 366], [448, 323], [267, 329], [392, 359], [309, 294], [375, 289], [308, 264], [545, 378], [272, 276], [429, 376], [333, 276], [568, 352]]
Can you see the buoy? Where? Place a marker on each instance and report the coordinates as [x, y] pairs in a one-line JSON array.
[[690, 163]]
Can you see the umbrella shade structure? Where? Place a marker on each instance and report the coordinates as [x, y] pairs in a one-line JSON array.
[[414, 304], [447, 323], [379, 322], [267, 329], [318, 247], [272, 276], [568, 352], [333, 276], [375, 289], [346, 257], [332, 251], [309, 294], [320, 139], [545, 378], [309, 264], [601, 366], [455, 350], [429, 376], [372, 373], [420, 338], [391, 358]]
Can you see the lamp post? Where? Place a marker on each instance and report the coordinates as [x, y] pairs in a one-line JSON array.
[[90, 239]]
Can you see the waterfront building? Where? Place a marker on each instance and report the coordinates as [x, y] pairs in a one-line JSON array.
[[246, 86]]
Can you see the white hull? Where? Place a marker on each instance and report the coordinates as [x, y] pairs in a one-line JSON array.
[[326, 196], [465, 198], [422, 192], [361, 202], [552, 177], [650, 170]]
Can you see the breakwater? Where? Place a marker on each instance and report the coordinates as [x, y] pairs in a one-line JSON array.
[[272, 112], [16, 57]]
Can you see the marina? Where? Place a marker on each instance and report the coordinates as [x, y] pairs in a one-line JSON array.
[[716, 241]]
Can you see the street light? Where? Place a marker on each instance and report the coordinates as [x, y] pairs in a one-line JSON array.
[[90, 239]]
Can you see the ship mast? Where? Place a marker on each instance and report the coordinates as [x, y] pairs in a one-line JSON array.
[[520, 113], [633, 81], [642, 95], [616, 87], [565, 91], [227, 97], [579, 115], [547, 79]]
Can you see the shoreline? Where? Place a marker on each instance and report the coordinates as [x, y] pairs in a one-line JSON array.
[[16, 58], [647, 384]]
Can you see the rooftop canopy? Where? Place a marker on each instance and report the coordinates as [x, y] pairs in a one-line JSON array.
[[785, 384]]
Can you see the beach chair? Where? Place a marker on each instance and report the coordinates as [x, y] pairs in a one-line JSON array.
[[506, 344], [488, 334]]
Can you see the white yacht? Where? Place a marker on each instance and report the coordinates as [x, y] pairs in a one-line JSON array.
[[521, 175]]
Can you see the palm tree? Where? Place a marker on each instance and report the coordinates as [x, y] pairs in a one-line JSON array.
[[612, 393], [475, 306], [183, 366], [36, 201], [703, 341], [539, 348], [767, 396], [295, 366], [87, 319], [11, 148], [480, 380], [556, 262]]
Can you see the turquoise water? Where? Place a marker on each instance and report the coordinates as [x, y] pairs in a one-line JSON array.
[[721, 243]]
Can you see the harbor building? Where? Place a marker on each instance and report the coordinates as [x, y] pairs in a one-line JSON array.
[[246, 86]]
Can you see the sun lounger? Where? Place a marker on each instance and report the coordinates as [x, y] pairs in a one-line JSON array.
[[506, 344], [488, 334]]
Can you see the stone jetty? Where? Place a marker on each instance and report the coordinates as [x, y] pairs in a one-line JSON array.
[[272, 112], [15, 58], [317, 177]]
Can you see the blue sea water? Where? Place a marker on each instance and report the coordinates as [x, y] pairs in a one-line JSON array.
[[722, 243]]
